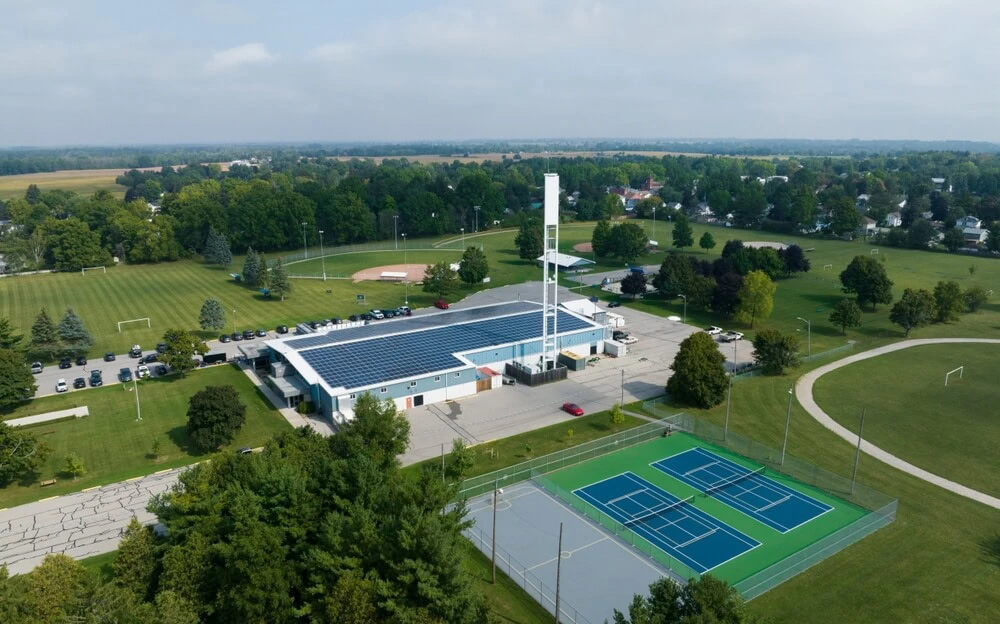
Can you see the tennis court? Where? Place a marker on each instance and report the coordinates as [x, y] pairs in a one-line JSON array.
[[670, 523], [743, 489]]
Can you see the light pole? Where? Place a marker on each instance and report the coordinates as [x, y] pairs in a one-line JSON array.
[[322, 256], [304, 245], [809, 335], [234, 320], [476, 208], [406, 282], [684, 297], [395, 237], [654, 222], [623, 389], [138, 410], [788, 419], [463, 239], [729, 397]]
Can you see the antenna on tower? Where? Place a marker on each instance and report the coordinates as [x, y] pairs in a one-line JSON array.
[[550, 238]]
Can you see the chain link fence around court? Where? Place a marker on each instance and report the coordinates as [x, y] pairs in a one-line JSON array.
[[752, 370], [525, 578]]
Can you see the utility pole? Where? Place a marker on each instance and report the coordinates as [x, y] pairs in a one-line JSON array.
[[857, 453], [463, 239], [304, 245], [684, 297], [395, 236], [322, 256], [406, 282], [476, 208], [788, 419], [623, 389], [729, 397], [494, 557], [138, 410], [442, 463], [654, 222], [558, 570]]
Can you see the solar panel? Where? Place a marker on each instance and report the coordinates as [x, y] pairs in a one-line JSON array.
[[383, 359]]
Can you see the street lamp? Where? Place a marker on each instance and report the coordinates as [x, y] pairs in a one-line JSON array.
[[809, 335], [395, 237], [476, 208], [234, 320], [684, 297], [322, 256], [304, 245], [729, 396], [788, 419], [463, 239], [138, 410], [654, 222], [406, 282]]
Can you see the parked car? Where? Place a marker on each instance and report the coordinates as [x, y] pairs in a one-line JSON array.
[[315, 324], [161, 370], [441, 304], [246, 450], [61, 386], [109, 357], [572, 408], [79, 382], [404, 310], [367, 316], [713, 331], [354, 318], [125, 375], [281, 329], [224, 338], [615, 304], [81, 360], [261, 333], [135, 351], [65, 363], [629, 340], [247, 334], [152, 357], [36, 367], [142, 371], [389, 313], [161, 347], [96, 379], [237, 336], [732, 336], [618, 335], [376, 314], [336, 320]]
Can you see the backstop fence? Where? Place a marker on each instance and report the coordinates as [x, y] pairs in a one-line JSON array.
[[881, 508]]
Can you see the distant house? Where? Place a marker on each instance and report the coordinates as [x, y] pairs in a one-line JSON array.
[[939, 184], [565, 262], [969, 222], [775, 177], [868, 225], [862, 199], [975, 236], [928, 215], [893, 219], [675, 206], [650, 185]]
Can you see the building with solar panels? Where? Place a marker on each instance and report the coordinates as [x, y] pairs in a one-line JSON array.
[[418, 360]]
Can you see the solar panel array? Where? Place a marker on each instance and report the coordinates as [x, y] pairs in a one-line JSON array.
[[384, 359], [411, 323]]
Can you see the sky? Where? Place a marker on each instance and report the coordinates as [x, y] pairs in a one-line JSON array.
[[104, 72]]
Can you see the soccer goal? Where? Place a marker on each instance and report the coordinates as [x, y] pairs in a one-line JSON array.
[[960, 370], [138, 320], [827, 267], [873, 251], [102, 269]]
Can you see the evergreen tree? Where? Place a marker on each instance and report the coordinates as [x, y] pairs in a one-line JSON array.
[[529, 239], [44, 339], [16, 381], [73, 333], [600, 239], [217, 250], [212, 315], [683, 235], [135, 562], [8, 339], [279, 282], [253, 269]]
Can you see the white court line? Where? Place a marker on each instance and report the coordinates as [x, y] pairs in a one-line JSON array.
[[695, 539], [777, 502], [629, 496], [706, 466], [656, 496]]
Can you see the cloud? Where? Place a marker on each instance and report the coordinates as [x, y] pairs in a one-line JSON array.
[[340, 52], [247, 54]]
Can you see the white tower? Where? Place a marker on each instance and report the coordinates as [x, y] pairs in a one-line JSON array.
[[550, 277]]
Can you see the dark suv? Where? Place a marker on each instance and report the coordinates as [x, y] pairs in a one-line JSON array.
[[247, 334], [96, 379], [65, 363], [282, 329], [125, 375]]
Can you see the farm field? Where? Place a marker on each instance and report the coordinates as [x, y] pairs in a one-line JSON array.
[[82, 181], [114, 446], [950, 431]]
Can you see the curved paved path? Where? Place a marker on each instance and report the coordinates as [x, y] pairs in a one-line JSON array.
[[804, 392]]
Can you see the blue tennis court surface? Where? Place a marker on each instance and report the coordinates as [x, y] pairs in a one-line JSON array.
[[673, 525], [743, 489]]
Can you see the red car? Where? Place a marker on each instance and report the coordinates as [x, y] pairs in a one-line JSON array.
[[572, 408], [441, 304]]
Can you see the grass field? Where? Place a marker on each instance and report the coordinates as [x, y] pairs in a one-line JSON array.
[[951, 431], [82, 181], [115, 447]]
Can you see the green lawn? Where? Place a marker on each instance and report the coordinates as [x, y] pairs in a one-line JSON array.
[[115, 447], [939, 540], [83, 181], [951, 431]]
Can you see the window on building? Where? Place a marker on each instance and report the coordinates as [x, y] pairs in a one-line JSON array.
[[383, 390], [458, 374], [437, 378], [413, 384], [352, 396]]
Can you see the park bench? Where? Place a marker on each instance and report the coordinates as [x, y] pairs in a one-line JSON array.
[[48, 482]]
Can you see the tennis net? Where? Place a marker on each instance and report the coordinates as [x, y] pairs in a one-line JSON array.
[[738, 478], [658, 511]]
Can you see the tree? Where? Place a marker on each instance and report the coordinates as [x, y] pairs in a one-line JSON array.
[[73, 466], [217, 249], [212, 315], [601, 238], [253, 269], [460, 460], [616, 415], [846, 314], [73, 333], [20, 454], [674, 276], [866, 278], [793, 260], [634, 284], [181, 347], [8, 339], [44, 339], [279, 282], [215, 416], [627, 241], [16, 381], [33, 194], [975, 297], [683, 235], [749, 206], [948, 301], [529, 239], [473, 267], [707, 241], [54, 591], [844, 216], [756, 298], [920, 234], [993, 238], [135, 562], [914, 309], [953, 239], [699, 377], [775, 351], [440, 279], [611, 206], [701, 601], [72, 245], [726, 296]]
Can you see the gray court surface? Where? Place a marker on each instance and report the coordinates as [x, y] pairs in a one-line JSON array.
[[599, 573]]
